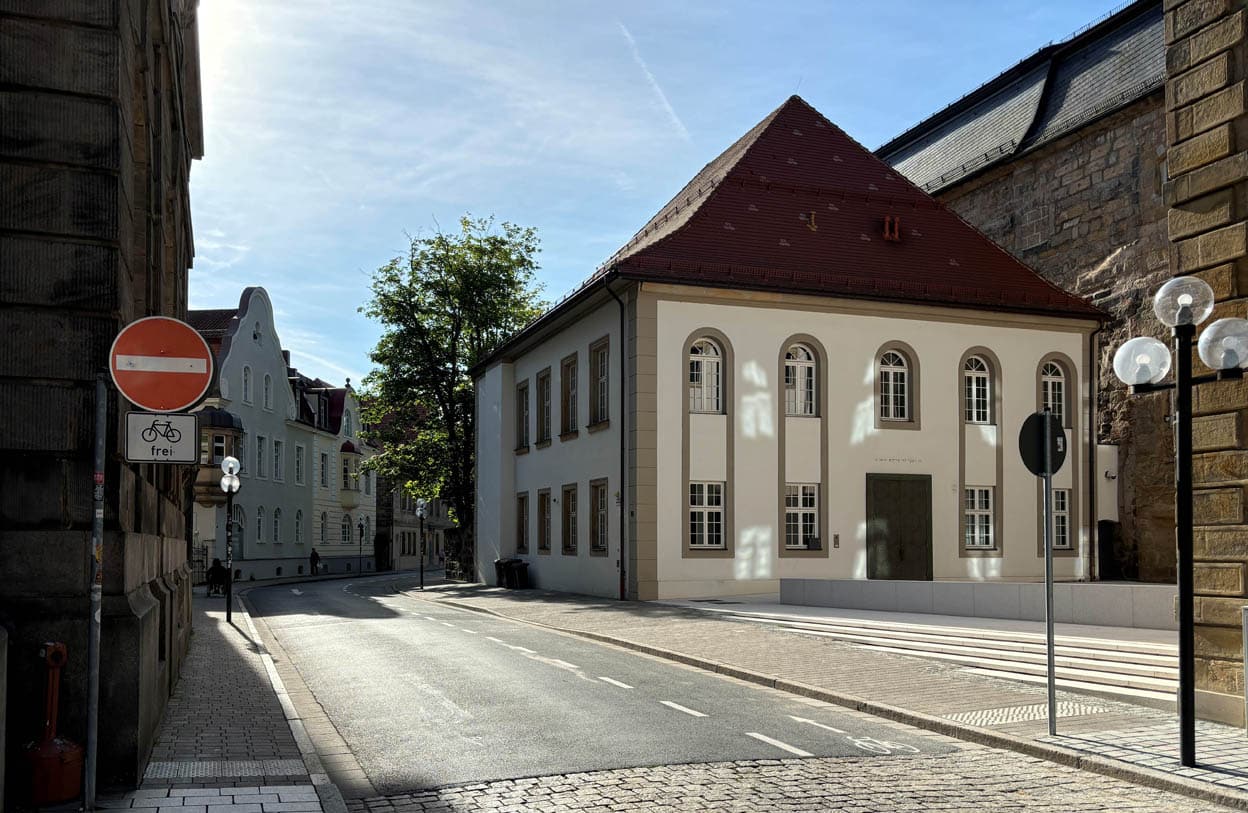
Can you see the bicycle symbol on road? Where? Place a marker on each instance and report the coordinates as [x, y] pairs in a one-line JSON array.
[[874, 746], [162, 429]]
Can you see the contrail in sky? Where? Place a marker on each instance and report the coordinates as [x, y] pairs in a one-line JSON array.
[[654, 84]]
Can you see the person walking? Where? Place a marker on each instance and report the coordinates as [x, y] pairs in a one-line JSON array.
[[315, 558]]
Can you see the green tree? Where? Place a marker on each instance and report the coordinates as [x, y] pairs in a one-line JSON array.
[[445, 306]]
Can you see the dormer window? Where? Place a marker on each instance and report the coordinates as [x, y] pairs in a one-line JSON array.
[[346, 422]]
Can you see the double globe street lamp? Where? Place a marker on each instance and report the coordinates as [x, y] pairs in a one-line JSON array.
[[1143, 363], [230, 485]]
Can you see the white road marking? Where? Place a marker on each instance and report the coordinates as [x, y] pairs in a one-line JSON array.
[[492, 638], [447, 624], [522, 649], [817, 724], [688, 711], [470, 632], [614, 682], [783, 746], [296, 591], [430, 618], [161, 364]]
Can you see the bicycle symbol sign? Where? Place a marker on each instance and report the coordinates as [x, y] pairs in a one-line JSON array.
[[161, 438]]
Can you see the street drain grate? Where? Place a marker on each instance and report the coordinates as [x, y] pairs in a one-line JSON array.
[[204, 769], [1018, 714]]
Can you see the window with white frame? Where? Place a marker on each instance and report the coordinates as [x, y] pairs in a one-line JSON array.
[[706, 515], [240, 525], [543, 520], [522, 523], [368, 483], [977, 391], [324, 470], [598, 519], [218, 448], [268, 391], [599, 354], [277, 525], [279, 460], [1061, 519], [346, 422], [299, 464], [522, 415], [1053, 390], [705, 376], [261, 454], [977, 514], [894, 378], [324, 527], [298, 527], [260, 523], [567, 395], [543, 406], [799, 380], [346, 529], [569, 518], [246, 385], [801, 516]]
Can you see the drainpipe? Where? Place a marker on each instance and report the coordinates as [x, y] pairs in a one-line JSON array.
[[1094, 378], [623, 441]]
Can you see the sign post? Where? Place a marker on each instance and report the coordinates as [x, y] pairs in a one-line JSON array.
[[1042, 444]]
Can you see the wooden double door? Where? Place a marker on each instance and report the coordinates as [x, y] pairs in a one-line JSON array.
[[899, 526]]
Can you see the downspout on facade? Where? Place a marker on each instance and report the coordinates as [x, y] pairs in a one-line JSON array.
[[623, 440]]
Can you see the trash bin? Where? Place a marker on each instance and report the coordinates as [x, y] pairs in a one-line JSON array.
[[499, 566], [509, 573], [519, 572]]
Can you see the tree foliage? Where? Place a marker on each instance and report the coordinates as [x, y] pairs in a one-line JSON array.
[[445, 306]]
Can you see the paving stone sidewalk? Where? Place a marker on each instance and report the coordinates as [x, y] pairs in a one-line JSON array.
[[1121, 731], [224, 745]]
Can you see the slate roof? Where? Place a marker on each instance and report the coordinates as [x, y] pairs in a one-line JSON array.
[[798, 206], [1061, 87], [214, 321]]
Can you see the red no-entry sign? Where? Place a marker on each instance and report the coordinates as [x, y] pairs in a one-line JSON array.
[[161, 364]]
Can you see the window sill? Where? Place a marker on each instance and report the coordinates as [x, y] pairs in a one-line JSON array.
[[542, 444], [707, 553], [522, 449], [706, 412], [597, 551], [598, 425], [569, 551], [571, 434], [887, 423], [543, 551], [799, 415]]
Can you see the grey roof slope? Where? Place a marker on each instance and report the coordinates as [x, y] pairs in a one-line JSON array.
[[1054, 91]]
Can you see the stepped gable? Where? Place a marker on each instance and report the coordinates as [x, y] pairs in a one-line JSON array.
[[798, 206]]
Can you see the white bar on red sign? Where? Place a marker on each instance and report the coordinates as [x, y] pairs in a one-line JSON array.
[[161, 364]]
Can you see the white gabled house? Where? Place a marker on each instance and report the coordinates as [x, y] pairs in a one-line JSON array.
[[802, 367]]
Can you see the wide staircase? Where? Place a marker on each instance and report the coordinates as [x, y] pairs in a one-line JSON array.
[[1141, 671]]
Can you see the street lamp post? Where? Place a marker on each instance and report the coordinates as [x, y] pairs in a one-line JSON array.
[[230, 485], [421, 506], [1143, 363]]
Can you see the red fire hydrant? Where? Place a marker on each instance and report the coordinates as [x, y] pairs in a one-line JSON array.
[[55, 762]]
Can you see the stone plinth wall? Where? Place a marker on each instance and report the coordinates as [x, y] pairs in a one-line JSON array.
[[98, 125], [1207, 134], [1088, 212]]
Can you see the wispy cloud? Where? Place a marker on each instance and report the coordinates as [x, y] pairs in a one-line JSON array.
[[654, 84]]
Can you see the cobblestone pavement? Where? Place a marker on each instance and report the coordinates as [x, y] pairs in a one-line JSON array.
[[975, 779], [1109, 728], [224, 745]]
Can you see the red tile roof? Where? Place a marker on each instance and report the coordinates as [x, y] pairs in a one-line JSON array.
[[796, 205]]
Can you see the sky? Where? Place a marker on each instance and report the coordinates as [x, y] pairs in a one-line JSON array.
[[334, 130]]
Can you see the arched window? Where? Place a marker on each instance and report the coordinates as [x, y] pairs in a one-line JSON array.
[[277, 525], [894, 378], [240, 525], [705, 378], [324, 527], [246, 385], [268, 391], [368, 525], [1053, 390], [298, 527], [346, 529], [260, 523], [977, 391], [799, 381], [346, 422]]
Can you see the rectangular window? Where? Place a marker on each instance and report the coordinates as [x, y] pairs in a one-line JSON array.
[[706, 515], [299, 465], [279, 460], [522, 523], [801, 516], [599, 397], [543, 406], [324, 470], [522, 416], [261, 453], [598, 521], [569, 519], [977, 515], [348, 474], [543, 519], [218, 448], [976, 397], [567, 395], [1061, 519]]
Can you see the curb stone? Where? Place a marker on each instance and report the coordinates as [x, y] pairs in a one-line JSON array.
[[1146, 777], [331, 797]]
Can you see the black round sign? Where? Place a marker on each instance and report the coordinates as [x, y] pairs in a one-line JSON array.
[[1031, 443]]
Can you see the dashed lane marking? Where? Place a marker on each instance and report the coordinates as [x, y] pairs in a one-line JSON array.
[[470, 632], [783, 746], [492, 638], [689, 711], [614, 682], [447, 624], [816, 724]]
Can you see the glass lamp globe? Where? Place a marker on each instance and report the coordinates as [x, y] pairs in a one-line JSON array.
[[230, 483], [230, 465], [1183, 301], [1224, 344], [1143, 360]]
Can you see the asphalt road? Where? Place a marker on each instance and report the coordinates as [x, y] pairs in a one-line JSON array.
[[427, 695]]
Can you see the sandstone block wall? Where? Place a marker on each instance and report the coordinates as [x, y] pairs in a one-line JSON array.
[[1207, 135]]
